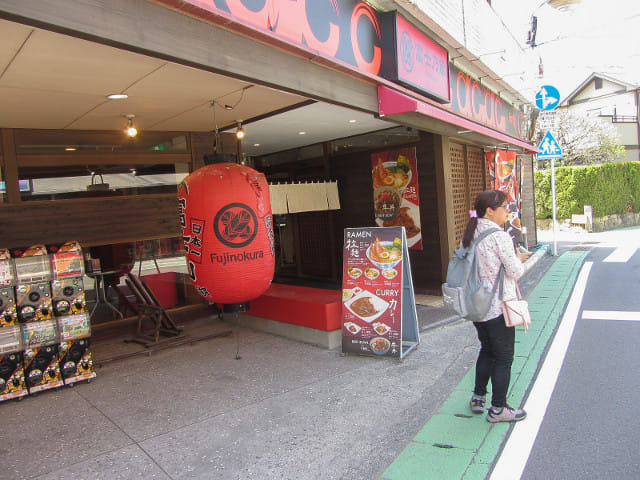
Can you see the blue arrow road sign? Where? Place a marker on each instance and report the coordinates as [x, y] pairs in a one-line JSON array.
[[549, 148], [547, 98]]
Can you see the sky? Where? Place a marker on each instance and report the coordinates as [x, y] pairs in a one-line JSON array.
[[593, 36]]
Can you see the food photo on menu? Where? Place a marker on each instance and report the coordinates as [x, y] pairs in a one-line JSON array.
[[371, 292], [395, 192]]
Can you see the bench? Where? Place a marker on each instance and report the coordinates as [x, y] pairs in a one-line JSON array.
[[308, 307]]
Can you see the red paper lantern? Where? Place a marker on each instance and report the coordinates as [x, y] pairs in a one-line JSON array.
[[225, 214]]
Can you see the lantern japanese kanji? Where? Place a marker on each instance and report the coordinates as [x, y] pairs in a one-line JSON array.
[[225, 214]]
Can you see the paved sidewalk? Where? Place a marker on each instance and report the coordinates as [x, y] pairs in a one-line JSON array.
[[256, 406]]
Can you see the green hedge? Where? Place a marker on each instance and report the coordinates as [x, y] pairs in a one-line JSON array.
[[611, 188]]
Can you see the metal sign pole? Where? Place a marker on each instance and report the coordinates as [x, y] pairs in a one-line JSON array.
[[553, 205]]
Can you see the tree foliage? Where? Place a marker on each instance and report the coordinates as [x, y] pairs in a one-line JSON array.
[[585, 140], [612, 188]]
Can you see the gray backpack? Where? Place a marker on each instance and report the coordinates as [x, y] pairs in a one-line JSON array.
[[464, 293]]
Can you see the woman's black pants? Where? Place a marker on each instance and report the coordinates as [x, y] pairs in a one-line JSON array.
[[495, 359]]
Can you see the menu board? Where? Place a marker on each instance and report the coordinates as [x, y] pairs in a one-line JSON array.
[[395, 192], [378, 306]]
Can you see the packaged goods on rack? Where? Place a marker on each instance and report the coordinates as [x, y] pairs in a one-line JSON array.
[[10, 339], [67, 261], [33, 302], [40, 334], [32, 265], [8, 315], [42, 369], [12, 384], [44, 324], [7, 269], [67, 296], [76, 361], [73, 327]]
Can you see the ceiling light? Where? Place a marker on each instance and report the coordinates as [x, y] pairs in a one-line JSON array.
[[118, 96], [240, 131], [256, 144], [352, 120], [302, 133], [131, 131], [70, 149]]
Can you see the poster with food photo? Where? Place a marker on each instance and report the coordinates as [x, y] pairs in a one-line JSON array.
[[395, 192], [372, 291], [503, 177]]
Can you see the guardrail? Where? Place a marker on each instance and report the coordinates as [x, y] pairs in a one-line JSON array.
[[624, 119]]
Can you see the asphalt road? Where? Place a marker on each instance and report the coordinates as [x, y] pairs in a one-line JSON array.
[[590, 429]]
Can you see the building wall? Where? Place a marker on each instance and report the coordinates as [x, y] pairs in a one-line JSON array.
[[353, 172], [597, 102], [528, 200], [614, 103]]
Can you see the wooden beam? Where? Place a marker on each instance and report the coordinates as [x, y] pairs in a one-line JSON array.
[[101, 158], [446, 223], [90, 220], [10, 167]]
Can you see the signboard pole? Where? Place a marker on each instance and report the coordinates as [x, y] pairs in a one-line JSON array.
[[553, 205], [550, 150], [409, 318]]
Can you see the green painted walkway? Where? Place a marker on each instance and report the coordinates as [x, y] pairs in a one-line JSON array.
[[456, 444]]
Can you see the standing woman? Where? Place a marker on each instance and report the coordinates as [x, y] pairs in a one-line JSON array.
[[496, 339]]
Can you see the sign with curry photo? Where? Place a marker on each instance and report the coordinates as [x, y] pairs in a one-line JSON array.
[[395, 192], [378, 306]]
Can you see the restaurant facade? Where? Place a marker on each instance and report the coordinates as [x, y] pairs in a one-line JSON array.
[[331, 95]]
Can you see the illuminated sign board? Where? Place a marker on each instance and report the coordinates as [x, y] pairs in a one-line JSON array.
[[413, 59]]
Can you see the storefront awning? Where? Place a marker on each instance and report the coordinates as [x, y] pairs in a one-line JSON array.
[[404, 109]]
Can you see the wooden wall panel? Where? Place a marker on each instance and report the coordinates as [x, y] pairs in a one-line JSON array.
[[528, 212], [90, 221], [477, 175], [459, 190], [353, 173], [313, 231]]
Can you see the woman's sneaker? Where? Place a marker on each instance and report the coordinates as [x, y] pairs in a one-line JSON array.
[[477, 404], [507, 414]]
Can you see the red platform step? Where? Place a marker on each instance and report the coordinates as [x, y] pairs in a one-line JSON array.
[[309, 307]]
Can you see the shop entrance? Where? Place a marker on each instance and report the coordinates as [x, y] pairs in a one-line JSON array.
[[301, 245]]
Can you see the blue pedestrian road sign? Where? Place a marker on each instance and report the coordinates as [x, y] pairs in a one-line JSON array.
[[549, 148], [547, 98]]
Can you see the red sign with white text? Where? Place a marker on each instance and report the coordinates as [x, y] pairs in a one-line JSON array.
[[475, 101]]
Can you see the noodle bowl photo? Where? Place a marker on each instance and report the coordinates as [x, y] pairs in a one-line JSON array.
[[385, 255]]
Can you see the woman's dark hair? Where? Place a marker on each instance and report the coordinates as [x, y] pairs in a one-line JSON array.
[[484, 200]]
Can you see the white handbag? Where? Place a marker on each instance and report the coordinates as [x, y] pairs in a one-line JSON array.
[[516, 311]]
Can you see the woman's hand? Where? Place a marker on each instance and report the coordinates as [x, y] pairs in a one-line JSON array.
[[523, 256]]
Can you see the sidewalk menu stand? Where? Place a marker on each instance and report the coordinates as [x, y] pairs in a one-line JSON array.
[[378, 305]]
